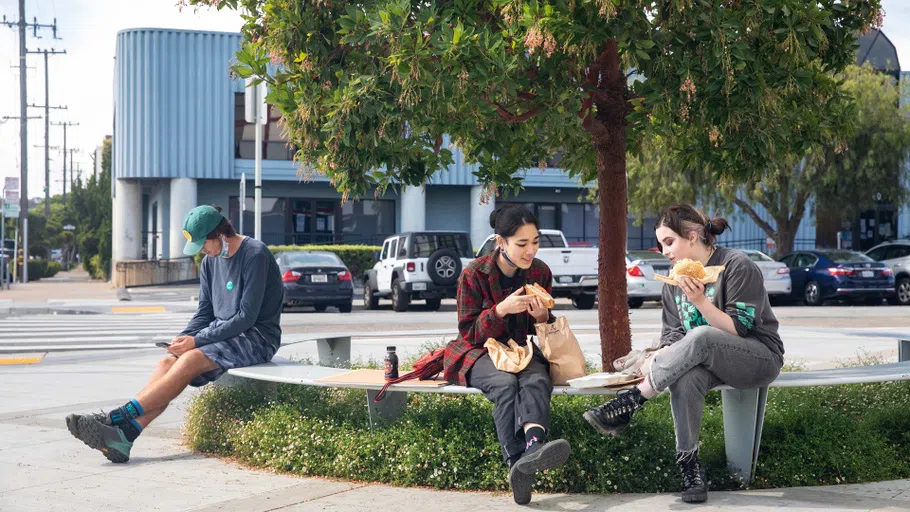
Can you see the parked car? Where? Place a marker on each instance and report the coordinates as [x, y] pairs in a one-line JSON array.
[[420, 265], [896, 255], [316, 278], [776, 275], [822, 275], [641, 267], [574, 268]]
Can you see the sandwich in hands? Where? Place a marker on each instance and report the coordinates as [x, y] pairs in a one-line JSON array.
[[693, 269], [539, 292]]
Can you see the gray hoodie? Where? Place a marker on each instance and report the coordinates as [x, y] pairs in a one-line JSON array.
[[739, 292]]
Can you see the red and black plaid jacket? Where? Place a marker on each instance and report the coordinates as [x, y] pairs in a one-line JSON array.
[[479, 291]]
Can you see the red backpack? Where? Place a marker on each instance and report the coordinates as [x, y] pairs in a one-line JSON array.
[[425, 368]]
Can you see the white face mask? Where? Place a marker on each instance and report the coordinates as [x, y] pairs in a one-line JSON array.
[[224, 248]]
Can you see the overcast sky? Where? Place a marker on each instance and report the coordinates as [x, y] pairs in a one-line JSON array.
[[83, 78]]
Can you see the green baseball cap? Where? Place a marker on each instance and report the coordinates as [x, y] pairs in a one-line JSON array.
[[197, 224]]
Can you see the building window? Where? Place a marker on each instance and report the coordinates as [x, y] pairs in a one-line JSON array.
[[274, 143], [579, 222], [274, 216], [367, 221]]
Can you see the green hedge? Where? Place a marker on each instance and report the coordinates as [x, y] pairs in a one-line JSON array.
[[812, 436], [53, 267], [358, 258], [95, 267], [38, 268]]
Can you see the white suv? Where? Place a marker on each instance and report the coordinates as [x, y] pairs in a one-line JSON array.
[[896, 255], [421, 265]]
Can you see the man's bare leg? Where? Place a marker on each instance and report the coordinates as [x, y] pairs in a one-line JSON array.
[[158, 393], [164, 366]]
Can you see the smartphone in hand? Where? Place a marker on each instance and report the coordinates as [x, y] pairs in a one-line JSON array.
[[163, 344]]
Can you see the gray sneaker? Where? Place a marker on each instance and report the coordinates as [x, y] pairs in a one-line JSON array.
[[72, 422], [108, 439]]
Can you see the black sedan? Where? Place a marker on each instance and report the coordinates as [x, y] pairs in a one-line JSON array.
[[315, 278]]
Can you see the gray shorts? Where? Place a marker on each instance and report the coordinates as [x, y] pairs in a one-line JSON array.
[[248, 349]]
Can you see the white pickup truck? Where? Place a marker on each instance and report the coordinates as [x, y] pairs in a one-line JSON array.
[[574, 268]]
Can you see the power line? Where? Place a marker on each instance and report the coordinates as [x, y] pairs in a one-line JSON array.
[[23, 123], [64, 125], [47, 117]]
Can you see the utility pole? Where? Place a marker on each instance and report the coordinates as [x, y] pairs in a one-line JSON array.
[[23, 125], [47, 118], [64, 125], [72, 170]]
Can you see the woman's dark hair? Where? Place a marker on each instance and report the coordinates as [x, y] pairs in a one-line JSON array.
[[223, 228], [685, 218], [507, 219]]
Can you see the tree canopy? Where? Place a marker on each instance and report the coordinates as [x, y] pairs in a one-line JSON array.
[[368, 89]]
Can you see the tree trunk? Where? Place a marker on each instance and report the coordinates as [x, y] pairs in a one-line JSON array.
[[610, 145], [786, 235]]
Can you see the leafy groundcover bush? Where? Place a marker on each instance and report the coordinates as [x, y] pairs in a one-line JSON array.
[[812, 436]]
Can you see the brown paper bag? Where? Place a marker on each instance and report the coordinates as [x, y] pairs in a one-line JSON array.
[[561, 349], [511, 358]]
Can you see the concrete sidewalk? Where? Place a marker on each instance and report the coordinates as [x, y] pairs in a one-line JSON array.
[[42, 467], [73, 284]]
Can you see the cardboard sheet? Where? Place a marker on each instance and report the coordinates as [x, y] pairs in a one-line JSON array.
[[377, 378]]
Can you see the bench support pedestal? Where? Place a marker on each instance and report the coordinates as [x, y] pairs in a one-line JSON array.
[[334, 352], [389, 409], [744, 414]]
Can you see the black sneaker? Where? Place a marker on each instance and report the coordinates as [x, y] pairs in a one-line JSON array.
[[541, 456], [694, 488], [612, 417], [521, 484]]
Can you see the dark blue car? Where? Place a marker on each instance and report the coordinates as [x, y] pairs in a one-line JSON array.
[[822, 275], [316, 278]]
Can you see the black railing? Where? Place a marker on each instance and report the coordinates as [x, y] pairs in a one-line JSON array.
[[758, 244]]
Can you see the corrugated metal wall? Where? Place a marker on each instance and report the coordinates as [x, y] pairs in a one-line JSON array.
[[174, 113], [174, 104], [746, 234], [903, 220]]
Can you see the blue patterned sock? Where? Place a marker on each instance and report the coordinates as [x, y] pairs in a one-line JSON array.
[[129, 411], [131, 429]]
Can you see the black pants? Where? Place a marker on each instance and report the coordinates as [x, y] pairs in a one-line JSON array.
[[518, 399]]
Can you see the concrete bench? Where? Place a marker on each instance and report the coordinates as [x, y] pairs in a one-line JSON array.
[[743, 409]]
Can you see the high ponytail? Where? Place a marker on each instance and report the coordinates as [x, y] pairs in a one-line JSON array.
[[685, 219]]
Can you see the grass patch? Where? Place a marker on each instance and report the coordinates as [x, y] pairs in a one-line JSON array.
[[812, 436]]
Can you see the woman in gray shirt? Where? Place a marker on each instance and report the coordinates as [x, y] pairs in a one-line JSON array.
[[718, 333]]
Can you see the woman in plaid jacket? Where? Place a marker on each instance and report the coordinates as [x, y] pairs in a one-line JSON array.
[[492, 304]]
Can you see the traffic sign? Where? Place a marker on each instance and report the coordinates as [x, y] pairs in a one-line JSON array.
[[11, 203], [11, 184]]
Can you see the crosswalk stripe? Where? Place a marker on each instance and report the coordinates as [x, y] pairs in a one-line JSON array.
[[86, 339], [95, 332]]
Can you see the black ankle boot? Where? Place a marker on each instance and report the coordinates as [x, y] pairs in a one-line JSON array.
[[694, 488], [610, 418]]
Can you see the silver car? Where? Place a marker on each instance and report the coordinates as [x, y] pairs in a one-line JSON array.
[[777, 275], [641, 266], [896, 255]]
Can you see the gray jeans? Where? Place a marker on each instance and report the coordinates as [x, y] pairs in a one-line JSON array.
[[705, 358], [518, 399]]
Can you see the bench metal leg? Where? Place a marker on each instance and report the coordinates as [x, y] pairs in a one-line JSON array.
[[744, 414], [334, 352], [903, 351], [390, 408]]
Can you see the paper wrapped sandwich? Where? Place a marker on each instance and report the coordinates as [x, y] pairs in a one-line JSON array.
[[693, 269], [539, 292]]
